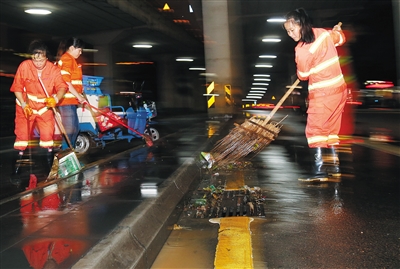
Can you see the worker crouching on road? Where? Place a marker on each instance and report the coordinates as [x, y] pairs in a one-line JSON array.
[[33, 105], [68, 51], [318, 62]]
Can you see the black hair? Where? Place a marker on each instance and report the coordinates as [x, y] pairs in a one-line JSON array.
[[66, 43], [37, 47], [300, 17]]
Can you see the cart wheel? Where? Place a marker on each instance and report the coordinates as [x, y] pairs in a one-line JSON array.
[[155, 135], [82, 144]]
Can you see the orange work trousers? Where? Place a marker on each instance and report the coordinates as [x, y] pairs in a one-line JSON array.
[[324, 118], [23, 128]]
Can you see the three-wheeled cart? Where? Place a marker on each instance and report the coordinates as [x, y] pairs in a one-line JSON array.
[[96, 129]]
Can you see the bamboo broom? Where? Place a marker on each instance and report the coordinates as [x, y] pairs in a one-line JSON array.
[[253, 135]]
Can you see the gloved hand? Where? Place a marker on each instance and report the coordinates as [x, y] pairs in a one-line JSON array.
[[27, 111], [83, 102], [50, 102]]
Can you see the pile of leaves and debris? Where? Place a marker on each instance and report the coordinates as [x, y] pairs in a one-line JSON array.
[[238, 165], [214, 201], [206, 161]]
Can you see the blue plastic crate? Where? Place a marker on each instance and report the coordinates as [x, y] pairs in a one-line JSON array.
[[91, 81], [92, 90]]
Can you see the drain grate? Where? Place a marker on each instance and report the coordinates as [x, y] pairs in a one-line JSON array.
[[230, 204]]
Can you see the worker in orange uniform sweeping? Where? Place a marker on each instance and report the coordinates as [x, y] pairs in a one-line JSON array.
[[33, 106], [318, 62]]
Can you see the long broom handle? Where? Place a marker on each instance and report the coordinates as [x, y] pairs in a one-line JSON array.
[[115, 120], [282, 100], [286, 95], [57, 117]]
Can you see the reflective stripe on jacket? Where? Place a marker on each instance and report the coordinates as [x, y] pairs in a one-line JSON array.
[[318, 62], [71, 72], [35, 111], [26, 81]]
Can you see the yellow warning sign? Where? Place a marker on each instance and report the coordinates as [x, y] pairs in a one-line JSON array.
[[211, 96], [273, 98], [166, 7], [228, 95], [210, 88], [211, 102]]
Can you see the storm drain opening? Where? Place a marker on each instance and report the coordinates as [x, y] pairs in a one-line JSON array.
[[227, 204], [223, 192]]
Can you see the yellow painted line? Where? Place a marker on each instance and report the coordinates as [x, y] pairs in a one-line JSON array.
[[234, 249], [236, 183]]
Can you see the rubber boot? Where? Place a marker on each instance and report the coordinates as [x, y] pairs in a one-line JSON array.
[[318, 172], [333, 165], [52, 165], [49, 160], [47, 157]]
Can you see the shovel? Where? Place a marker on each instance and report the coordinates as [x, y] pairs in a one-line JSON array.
[[65, 162]]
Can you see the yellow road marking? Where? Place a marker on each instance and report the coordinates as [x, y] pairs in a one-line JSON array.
[[236, 183], [234, 248]]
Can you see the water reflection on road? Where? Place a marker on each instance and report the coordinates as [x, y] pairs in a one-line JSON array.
[[57, 224]]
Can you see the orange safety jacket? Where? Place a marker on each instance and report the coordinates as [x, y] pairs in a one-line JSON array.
[[71, 71], [26, 81], [318, 62]]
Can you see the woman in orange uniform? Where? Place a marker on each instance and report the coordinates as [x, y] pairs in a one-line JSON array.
[[318, 62], [68, 51], [32, 104]]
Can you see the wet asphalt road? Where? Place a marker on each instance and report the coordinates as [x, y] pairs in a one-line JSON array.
[[71, 215], [352, 222], [348, 222]]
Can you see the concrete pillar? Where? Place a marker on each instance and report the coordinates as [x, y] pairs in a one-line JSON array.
[[219, 45]]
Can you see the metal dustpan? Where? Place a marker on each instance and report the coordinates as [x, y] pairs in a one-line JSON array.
[[68, 163]]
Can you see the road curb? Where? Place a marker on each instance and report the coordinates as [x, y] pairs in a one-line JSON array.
[[138, 238]]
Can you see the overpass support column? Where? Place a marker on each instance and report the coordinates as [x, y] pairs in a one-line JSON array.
[[222, 51]]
